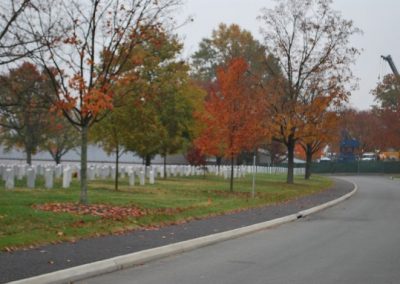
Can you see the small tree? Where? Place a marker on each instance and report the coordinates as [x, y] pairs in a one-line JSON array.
[[24, 113], [60, 137], [196, 158], [232, 115]]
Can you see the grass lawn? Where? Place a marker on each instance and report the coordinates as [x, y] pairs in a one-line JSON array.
[[167, 202]]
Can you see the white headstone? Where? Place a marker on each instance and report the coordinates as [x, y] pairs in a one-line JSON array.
[[226, 171], [30, 177], [21, 172], [151, 177], [97, 171], [122, 172], [49, 178], [67, 172], [40, 170], [9, 178], [131, 175], [141, 177], [91, 173], [58, 171], [4, 173]]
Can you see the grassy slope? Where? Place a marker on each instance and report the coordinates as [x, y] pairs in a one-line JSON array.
[[169, 201]]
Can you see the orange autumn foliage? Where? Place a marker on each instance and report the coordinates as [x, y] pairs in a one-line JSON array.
[[233, 112]]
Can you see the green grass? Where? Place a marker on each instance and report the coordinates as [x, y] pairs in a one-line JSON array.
[[167, 202]]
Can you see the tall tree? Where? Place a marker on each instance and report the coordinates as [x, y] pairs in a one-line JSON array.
[[387, 93], [87, 59], [24, 114], [225, 44], [17, 38], [311, 42], [232, 115], [387, 111], [370, 128]]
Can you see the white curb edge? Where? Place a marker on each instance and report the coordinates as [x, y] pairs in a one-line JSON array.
[[121, 262]]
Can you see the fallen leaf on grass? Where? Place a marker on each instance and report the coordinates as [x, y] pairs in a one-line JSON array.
[[101, 210], [8, 249]]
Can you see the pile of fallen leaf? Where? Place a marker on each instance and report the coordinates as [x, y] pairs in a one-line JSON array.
[[101, 210]]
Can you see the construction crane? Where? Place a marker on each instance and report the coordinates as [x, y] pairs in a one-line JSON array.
[[391, 64]]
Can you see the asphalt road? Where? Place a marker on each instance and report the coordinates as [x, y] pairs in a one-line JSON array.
[[357, 241], [54, 257]]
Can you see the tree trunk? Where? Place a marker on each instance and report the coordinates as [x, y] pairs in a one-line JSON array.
[[28, 155], [84, 141], [232, 170], [147, 163], [290, 147], [309, 155], [28, 138], [57, 159], [165, 166], [28, 148], [218, 160], [148, 160], [116, 167]]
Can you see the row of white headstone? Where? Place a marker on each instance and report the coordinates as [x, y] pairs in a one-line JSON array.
[[101, 171]]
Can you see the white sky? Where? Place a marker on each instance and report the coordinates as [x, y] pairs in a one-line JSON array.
[[379, 20]]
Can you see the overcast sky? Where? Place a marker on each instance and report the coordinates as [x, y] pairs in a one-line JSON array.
[[379, 20]]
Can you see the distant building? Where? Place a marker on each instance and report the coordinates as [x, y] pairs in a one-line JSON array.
[[95, 155]]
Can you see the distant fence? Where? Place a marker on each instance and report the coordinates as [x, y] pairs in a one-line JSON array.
[[362, 167]]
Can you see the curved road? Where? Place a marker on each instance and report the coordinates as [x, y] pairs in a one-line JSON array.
[[357, 241]]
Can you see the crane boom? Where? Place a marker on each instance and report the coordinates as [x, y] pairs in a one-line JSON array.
[[391, 64]]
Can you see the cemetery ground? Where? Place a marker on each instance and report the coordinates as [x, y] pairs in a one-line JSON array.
[[32, 217]]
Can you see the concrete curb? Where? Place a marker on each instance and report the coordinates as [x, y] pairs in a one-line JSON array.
[[121, 262], [328, 204]]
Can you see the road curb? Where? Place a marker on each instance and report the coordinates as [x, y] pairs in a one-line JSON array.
[[331, 203], [121, 262]]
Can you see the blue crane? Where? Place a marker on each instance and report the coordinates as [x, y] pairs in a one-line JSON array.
[[389, 60]]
